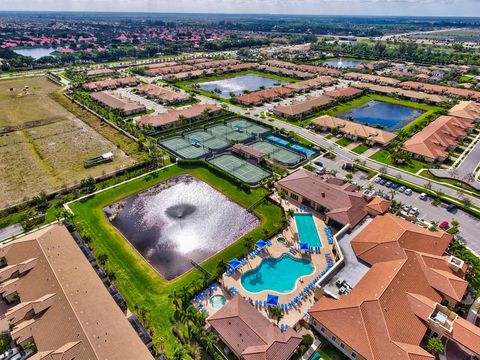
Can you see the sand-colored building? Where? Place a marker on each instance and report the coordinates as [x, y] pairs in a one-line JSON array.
[[111, 83], [301, 108], [162, 94], [354, 131], [61, 304], [116, 103], [468, 110], [175, 118]]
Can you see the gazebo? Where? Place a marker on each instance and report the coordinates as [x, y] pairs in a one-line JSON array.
[[272, 300], [261, 245], [234, 264]]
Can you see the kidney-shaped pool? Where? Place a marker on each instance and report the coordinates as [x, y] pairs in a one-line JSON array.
[[277, 274]]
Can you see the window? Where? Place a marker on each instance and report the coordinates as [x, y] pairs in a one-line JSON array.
[[294, 196], [342, 345], [322, 329], [354, 355], [334, 338]]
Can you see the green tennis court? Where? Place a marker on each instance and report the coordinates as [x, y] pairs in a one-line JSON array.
[[207, 140], [240, 168], [248, 126], [278, 153], [183, 147], [227, 133]]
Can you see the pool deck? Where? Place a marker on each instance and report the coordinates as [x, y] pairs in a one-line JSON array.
[[293, 315]]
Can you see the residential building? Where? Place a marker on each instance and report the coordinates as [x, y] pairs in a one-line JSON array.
[[59, 302], [346, 93], [162, 94], [382, 80], [354, 131], [100, 72], [433, 142], [336, 201], [123, 106], [404, 297], [250, 335], [178, 117], [301, 108], [444, 90], [261, 96], [111, 83], [468, 110]]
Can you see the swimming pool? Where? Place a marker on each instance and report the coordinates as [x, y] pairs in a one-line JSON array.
[[294, 146], [217, 301], [277, 274], [307, 230]]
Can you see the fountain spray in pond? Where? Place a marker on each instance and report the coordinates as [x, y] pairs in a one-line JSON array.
[[181, 220]]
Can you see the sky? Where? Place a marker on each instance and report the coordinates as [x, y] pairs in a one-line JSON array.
[[311, 7]]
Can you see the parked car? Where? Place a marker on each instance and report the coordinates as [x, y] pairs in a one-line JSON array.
[[388, 184], [382, 181], [444, 225], [414, 211], [377, 180], [320, 171], [423, 196], [395, 186], [451, 208], [9, 353], [386, 196], [318, 163], [406, 208], [408, 191], [401, 189]]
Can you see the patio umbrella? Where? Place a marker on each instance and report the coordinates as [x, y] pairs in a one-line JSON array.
[[234, 264], [272, 300], [261, 244], [304, 246]]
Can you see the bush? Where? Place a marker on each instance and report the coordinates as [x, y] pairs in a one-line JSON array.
[[307, 340]]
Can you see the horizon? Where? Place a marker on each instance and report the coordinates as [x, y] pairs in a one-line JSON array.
[[390, 8]]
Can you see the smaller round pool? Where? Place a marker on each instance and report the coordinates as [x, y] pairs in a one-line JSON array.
[[217, 301]]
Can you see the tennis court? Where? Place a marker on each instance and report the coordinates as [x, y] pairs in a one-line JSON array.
[[248, 126], [183, 147], [207, 140], [227, 133], [240, 168], [278, 153]]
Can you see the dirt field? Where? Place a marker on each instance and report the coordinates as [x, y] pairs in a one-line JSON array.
[[43, 146]]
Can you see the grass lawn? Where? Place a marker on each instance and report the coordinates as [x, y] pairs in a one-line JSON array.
[[360, 149], [413, 165], [138, 282], [343, 142], [338, 109], [453, 182], [329, 352], [467, 78]]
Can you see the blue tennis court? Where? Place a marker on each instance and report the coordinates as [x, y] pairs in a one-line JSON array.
[[307, 230], [277, 140]]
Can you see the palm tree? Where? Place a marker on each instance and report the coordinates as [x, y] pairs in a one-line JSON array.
[[180, 353]]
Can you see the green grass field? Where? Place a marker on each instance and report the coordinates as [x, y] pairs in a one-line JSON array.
[[138, 282], [343, 142], [413, 165], [360, 149]]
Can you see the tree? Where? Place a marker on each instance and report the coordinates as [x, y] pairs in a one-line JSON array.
[[435, 346], [383, 170], [276, 313], [88, 185], [40, 202], [102, 259], [180, 353]]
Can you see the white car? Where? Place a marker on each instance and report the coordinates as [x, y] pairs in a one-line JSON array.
[[414, 211], [408, 192], [423, 196]]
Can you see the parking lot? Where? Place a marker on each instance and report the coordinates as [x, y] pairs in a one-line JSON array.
[[427, 212]]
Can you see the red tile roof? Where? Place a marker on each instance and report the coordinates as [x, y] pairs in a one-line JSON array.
[[345, 206], [250, 335]]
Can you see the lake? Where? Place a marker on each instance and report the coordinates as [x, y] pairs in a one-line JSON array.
[[342, 63], [35, 53], [179, 221], [390, 116], [239, 84]]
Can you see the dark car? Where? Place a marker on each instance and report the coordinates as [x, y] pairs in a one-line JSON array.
[[318, 163], [451, 208]]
